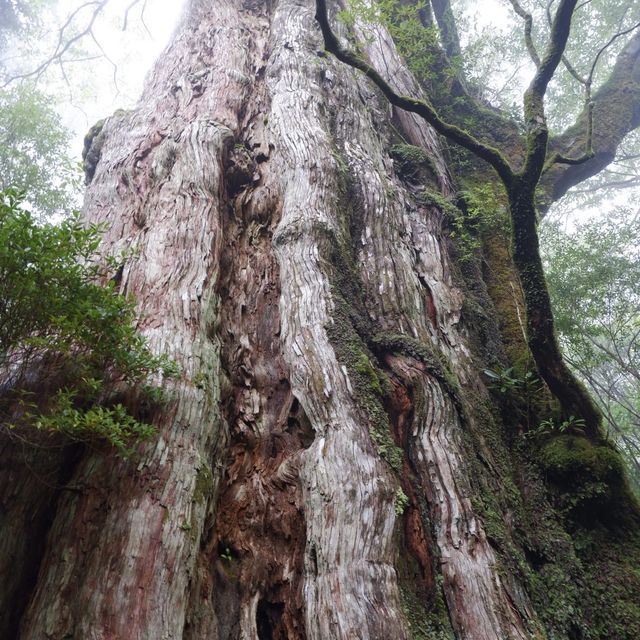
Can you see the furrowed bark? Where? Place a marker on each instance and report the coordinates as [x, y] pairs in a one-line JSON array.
[[325, 456], [350, 586], [412, 296], [125, 571]]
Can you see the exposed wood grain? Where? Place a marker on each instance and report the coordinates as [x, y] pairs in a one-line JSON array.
[[350, 588], [265, 509]]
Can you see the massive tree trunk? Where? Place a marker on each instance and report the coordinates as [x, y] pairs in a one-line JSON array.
[[330, 463]]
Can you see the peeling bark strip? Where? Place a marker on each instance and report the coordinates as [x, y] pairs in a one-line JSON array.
[[350, 587]]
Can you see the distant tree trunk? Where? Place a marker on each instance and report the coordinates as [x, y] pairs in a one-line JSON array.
[[330, 463]]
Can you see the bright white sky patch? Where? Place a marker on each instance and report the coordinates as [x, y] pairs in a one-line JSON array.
[[115, 80]]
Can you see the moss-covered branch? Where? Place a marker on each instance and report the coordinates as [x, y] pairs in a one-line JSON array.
[[521, 190], [537, 133], [420, 107]]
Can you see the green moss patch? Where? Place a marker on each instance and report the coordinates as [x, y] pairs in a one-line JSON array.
[[575, 460]]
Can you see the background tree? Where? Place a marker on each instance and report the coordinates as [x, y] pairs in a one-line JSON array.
[[333, 463], [34, 151], [593, 271]]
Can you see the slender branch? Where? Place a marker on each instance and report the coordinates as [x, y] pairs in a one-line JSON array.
[[558, 158], [583, 4], [109, 60], [143, 20], [66, 40], [528, 28], [131, 5], [616, 112], [64, 44], [620, 184], [613, 38]]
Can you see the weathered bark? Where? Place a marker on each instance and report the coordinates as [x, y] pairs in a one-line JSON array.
[[122, 546], [328, 465]]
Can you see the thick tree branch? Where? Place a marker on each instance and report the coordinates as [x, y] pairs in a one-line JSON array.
[[565, 61], [541, 336], [537, 129], [421, 107], [560, 29], [616, 112]]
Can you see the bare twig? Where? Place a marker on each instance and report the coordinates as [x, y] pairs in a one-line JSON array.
[[110, 61], [613, 38], [125, 20], [65, 41], [69, 34]]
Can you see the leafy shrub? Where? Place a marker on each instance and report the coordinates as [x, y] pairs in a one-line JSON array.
[[57, 319]]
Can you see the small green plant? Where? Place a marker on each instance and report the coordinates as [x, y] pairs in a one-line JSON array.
[[114, 425], [550, 426], [401, 501], [226, 555], [522, 392], [480, 212], [503, 379], [200, 380], [79, 335]]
